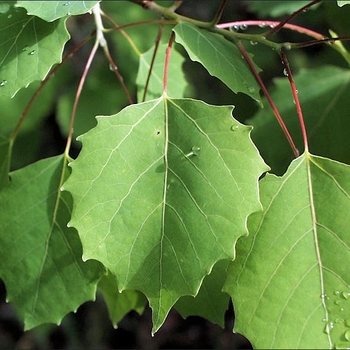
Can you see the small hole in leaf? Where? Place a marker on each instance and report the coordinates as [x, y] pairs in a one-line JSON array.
[[157, 132]]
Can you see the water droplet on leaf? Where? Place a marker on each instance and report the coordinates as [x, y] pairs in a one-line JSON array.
[[329, 327], [251, 89], [285, 72], [196, 150], [235, 28], [253, 42], [347, 335], [25, 48], [32, 52], [287, 46], [3, 83], [346, 295], [234, 127], [243, 27], [66, 3], [262, 25]]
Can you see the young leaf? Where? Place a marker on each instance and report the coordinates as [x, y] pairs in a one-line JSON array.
[[210, 302], [221, 58], [176, 79], [51, 10], [119, 304], [290, 283], [41, 263], [29, 48], [161, 192]]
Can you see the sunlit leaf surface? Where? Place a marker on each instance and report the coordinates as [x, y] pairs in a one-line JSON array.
[[161, 192]]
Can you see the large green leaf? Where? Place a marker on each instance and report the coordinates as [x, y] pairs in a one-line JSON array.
[[220, 57], [161, 192], [29, 47], [176, 80], [52, 10], [290, 282], [323, 94], [41, 261]]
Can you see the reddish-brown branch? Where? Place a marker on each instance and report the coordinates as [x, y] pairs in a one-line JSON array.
[[296, 99], [43, 84], [159, 36], [167, 61], [269, 99], [77, 96], [290, 17]]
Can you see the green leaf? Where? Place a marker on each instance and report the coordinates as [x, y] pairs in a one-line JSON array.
[[323, 94], [120, 303], [41, 263], [161, 192], [29, 48], [221, 58], [176, 79], [210, 302], [51, 10], [290, 283]]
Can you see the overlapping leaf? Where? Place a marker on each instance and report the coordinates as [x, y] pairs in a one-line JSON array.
[[290, 282], [220, 57], [161, 192], [210, 302], [119, 304], [52, 10], [29, 47], [327, 120], [41, 261]]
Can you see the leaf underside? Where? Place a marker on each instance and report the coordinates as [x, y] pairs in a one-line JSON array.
[[161, 192], [290, 282]]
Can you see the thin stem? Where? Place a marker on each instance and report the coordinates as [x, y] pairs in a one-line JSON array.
[[43, 84], [167, 61], [159, 36], [219, 13], [103, 43], [124, 33], [77, 96], [263, 24], [290, 17], [296, 99], [269, 99]]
